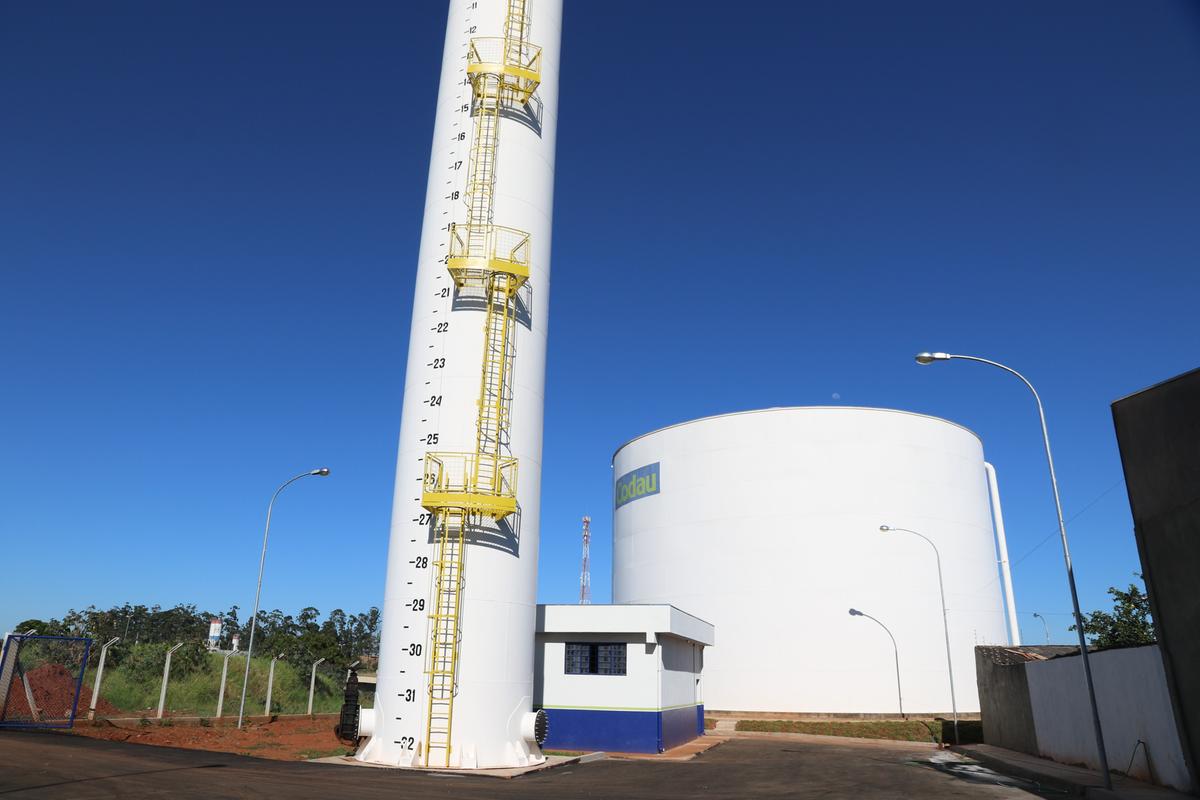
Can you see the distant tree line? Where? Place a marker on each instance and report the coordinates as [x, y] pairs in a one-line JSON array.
[[340, 638]]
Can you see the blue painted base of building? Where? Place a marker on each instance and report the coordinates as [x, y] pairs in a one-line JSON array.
[[622, 731]]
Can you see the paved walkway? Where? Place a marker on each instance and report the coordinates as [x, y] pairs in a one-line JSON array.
[[62, 766]]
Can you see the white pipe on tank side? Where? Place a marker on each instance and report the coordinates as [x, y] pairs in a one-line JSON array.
[[1010, 602]]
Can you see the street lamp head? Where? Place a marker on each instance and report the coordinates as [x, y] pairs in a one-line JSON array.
[[323, 471], [854, 612], [884, 528], [929, 358], [1036, 614]]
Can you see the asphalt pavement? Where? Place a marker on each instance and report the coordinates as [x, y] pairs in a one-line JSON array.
[[46, 765]]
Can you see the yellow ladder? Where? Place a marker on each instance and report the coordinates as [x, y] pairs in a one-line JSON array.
[[481, 163], [444, 622], [461, 489], [516, 30], [495, 386]]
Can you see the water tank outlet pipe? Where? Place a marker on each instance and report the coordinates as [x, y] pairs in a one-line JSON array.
[[534, 727], [1010, 602], [366, 722]]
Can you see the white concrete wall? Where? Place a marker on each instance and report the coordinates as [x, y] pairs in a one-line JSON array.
[[1131, 692], [680, 672], [657, 676], [636, 690]]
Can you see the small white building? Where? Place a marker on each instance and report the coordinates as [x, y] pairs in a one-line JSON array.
[[623, 678]]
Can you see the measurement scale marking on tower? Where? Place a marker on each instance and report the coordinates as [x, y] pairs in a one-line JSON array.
[[462, 489], [474, 486]]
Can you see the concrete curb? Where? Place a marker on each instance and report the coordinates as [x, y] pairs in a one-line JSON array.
[[1075, 781], [1073, 788]]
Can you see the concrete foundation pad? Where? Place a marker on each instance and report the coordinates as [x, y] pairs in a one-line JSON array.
[[508, 772], [684, 752], [1078, 781]]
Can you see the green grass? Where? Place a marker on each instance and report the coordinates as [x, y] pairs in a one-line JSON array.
[[195, 692], [709, 723], [309, 754], [970, 731]]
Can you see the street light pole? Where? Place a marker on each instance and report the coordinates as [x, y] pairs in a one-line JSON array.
[[945, 621], [262, 560], [1045, 627], [854, 612], [929, 358]]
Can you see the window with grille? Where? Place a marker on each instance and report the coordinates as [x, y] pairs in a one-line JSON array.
[[594, 658]]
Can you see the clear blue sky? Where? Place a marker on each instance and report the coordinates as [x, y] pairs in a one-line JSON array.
[[208, 228]]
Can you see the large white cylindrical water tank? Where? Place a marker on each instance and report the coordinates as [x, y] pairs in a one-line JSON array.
[[494, 682], [767, 524]]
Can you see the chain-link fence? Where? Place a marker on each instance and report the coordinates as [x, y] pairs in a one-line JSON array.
[[290, 680], [40, 679], [132, 683]]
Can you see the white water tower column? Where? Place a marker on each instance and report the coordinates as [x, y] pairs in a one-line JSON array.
[[492, 719]]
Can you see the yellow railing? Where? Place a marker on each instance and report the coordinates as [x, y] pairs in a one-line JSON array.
[[476, 250], [471, 481], [519, 63]]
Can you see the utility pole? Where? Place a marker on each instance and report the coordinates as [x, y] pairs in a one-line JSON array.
[[585, 571]]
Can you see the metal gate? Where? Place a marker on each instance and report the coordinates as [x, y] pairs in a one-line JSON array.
[[40, 679]]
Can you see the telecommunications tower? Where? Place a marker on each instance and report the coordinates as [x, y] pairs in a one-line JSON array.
[[455, 678], [585, 570]]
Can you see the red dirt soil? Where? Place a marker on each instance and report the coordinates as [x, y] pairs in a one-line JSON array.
[[285, 739], [53, 688]]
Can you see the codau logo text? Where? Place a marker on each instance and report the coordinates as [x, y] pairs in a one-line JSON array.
[[641, 482]]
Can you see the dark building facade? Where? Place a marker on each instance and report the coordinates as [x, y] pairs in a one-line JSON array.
[[1158, 432]]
